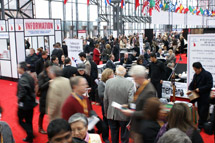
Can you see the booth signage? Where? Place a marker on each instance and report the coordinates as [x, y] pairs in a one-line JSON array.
[[201, 48], [82, 33], [2, 25], [181, 89], [75, 46], [34, 27], [4, 35]]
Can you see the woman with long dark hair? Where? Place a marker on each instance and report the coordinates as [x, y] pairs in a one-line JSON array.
[[179, 117], [43, 82]]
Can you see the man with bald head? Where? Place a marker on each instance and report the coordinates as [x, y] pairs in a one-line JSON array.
[[126, 59], [118, 90]]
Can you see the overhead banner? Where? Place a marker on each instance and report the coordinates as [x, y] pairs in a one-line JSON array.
[[167, 90], [35, 27], [75, 46], [201, 48]]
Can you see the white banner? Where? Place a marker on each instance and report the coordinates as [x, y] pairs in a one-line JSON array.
[[141, 44], [167, 90], [35, 27], [201, 48], [115, 34], [75, 46]]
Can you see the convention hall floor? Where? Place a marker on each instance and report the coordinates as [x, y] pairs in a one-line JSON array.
[[8, 101]]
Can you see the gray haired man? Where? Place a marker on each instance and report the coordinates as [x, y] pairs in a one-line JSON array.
[[121, 91]]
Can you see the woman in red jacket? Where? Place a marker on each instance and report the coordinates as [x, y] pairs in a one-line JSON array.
[[96, 54]]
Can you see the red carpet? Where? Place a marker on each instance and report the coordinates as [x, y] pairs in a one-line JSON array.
[[8, 101]]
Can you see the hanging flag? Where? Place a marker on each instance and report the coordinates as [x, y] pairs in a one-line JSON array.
[[177, 9], [144, 5], [175, 6], [157, 7], [152, 3], [107, 2], [88, 2], [150, 11], [191, 9], [171, 7], [207, 11], [213, 13], [201, 11], [136, 4], [65, 1], [122, 3], [161, 5], [181, 8], [194, 11], [186, 10], [165, 6]]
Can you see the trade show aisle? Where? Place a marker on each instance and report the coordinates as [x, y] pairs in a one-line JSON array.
[[8, 101]]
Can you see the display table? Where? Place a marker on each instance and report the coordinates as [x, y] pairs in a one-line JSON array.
[[193, 112]]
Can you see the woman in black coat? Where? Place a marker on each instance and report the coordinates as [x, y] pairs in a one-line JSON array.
[[43, 82]]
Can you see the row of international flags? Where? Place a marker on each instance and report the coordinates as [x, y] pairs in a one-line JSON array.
[[166, 6]]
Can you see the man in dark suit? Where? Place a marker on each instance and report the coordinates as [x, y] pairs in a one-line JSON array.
[[26, 101], [57, 52], [68, 70], [65, 49], [126, 59], [156, 73], [40, 63], [202, 83], [31, 60], [110, 64]]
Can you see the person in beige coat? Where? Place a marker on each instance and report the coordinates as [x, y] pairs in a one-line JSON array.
[[59, 90]]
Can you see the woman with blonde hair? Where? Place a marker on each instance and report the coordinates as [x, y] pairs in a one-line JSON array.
[[106, 74], [106, 53]]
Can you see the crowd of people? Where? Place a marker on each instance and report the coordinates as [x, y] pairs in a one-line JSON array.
[[67, 92]]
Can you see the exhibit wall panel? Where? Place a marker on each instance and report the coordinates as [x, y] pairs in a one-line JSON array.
[[178, 19], [5, 68], [14, 62], [41, 42], [51, 43], [58, 36], [20, 46], [34, 43], [160, 17], [194, 20]]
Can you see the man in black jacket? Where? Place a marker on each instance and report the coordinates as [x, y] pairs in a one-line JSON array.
[[40, 63], [156, 73], [68, 70], [57, 52], [31, 60], [65, 49], [26, 101], [202, 83], [110, 64]]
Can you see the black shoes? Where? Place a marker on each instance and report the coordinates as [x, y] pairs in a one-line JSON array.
[[28, 140]]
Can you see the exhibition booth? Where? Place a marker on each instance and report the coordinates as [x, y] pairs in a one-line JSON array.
[[15, 32]]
